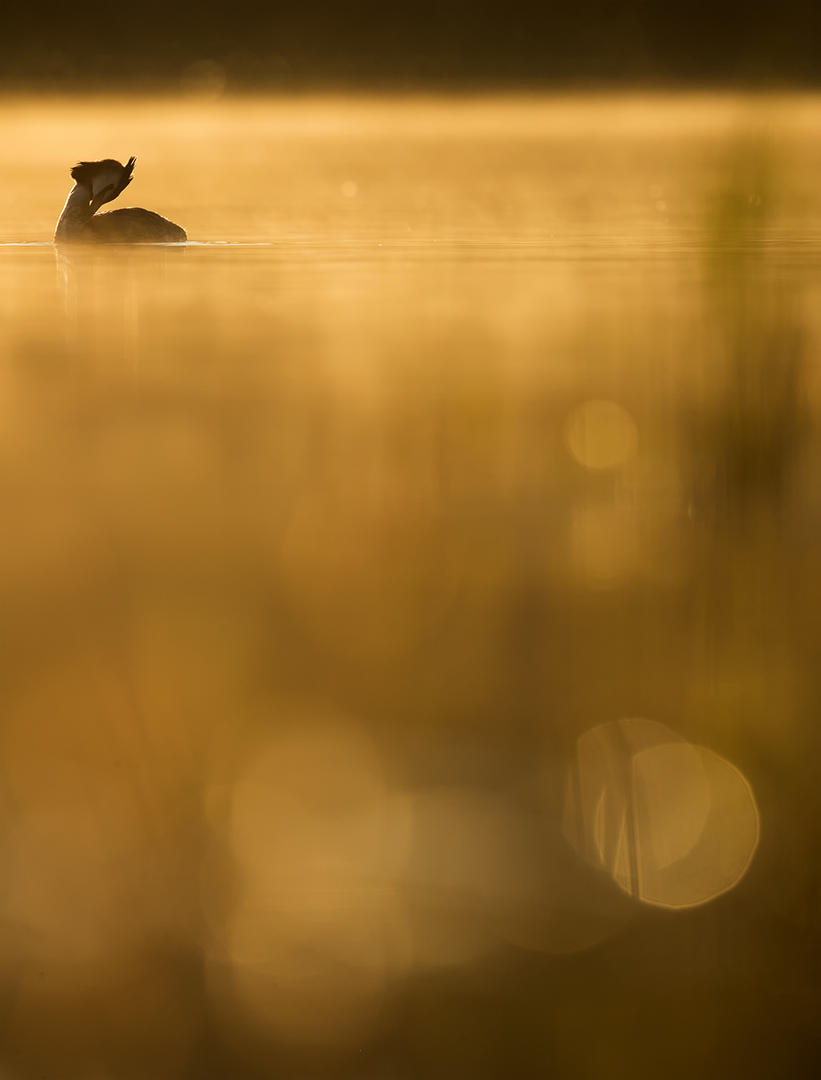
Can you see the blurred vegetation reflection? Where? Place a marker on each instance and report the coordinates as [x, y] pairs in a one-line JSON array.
[[408, 615]]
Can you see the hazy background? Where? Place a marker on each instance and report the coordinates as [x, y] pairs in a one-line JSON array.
[[409, 601], [429, 43]]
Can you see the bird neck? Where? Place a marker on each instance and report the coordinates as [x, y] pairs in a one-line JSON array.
[[76, 212]]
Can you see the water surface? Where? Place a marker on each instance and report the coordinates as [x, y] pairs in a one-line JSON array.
[[408, 590]]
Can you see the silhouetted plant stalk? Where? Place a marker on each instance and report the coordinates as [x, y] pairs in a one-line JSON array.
[[748, 433], [752, 425]]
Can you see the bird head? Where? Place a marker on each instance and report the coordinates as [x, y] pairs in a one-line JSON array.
[[105, 179]]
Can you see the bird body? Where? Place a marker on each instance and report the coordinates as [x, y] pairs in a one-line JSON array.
[[132, 225], [96, 183]]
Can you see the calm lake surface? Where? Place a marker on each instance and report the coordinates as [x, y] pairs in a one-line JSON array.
[[409, 591]]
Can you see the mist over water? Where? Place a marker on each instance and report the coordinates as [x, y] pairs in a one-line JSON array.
[[409, 590]]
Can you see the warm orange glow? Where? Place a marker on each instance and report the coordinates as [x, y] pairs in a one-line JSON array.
[[674, 824], [336, 543], [601, 435]]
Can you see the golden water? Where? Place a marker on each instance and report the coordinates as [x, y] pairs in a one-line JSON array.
[[408, 590]]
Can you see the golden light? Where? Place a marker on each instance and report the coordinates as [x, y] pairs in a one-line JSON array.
[[601, 434], [603, 543], [675, 825], [315, 932], [468, 876]]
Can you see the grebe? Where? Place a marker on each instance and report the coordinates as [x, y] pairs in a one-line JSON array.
[[96, 183]]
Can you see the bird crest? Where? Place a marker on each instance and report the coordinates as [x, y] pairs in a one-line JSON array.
[[108, 173]]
